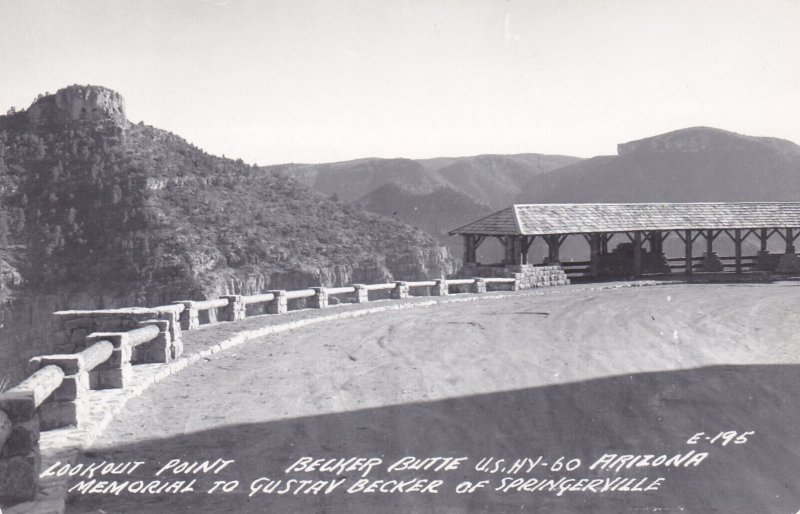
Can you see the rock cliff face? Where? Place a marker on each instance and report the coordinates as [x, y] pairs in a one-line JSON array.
[[79, 103], [96, 212]]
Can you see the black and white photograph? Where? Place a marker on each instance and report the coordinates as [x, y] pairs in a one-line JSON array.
[[399, 256]]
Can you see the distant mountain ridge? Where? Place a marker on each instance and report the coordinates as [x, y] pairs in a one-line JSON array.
[[698, 164], [434, 195]]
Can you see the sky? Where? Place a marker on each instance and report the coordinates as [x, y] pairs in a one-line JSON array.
[[321, 81]]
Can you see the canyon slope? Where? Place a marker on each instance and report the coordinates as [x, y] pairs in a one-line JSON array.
[[98, 212]]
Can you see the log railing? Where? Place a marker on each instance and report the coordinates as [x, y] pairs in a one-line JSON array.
[[55, 395]]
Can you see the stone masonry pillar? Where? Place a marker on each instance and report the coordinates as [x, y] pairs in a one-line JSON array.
[[236, 310], [20, 462], [440, 289], [320, 298], [189, 319], [280, 304], [116, 372], [400, 290]]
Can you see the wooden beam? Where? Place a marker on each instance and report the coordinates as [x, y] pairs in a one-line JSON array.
[[553, 246], [732, 236], [637, 254], [763, 238], [530, 240], [508, 245], [594, 245], [738, 246], [687, 239], [469, 249]]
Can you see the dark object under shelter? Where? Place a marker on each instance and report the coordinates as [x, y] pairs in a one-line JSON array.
[[646, 226]]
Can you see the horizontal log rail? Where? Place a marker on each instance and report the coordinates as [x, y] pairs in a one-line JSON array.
[[258, 298], [204, 305], [96, 354], [142, 335], [300, 293], [423, 283], [176, 308], [41, 384], [379, 287], [461, 282], [340, 290]]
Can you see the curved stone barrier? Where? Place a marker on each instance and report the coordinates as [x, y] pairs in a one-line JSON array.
[[103, 345]]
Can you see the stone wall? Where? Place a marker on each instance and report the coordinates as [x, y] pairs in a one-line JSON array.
[[528, 275]]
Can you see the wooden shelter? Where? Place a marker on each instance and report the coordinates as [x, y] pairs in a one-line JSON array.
[[516, 228]]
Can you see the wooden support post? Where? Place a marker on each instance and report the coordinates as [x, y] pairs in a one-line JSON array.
[[469, 249], [604, 243], [689, 241], [553, 247], [709, 242], [789, 240], [737, 242], [655, 242], [527, 241], [637, 254], [520, 244], [508, 245], [763, 238], [594, 256]]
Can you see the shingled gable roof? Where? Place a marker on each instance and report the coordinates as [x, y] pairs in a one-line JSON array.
[[582, 218]]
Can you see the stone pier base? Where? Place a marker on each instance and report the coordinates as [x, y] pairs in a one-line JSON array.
[[711, 262], [527, 276], [20, 462], [789, 263]]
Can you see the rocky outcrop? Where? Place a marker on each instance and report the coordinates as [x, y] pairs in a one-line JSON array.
[[78, 103]]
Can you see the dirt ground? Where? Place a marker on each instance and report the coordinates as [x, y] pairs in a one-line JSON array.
[[573, 376]]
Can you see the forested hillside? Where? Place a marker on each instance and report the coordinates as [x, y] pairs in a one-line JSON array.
[[98, 212]]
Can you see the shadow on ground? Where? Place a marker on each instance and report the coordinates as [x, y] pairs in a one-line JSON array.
[[648, 413]]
